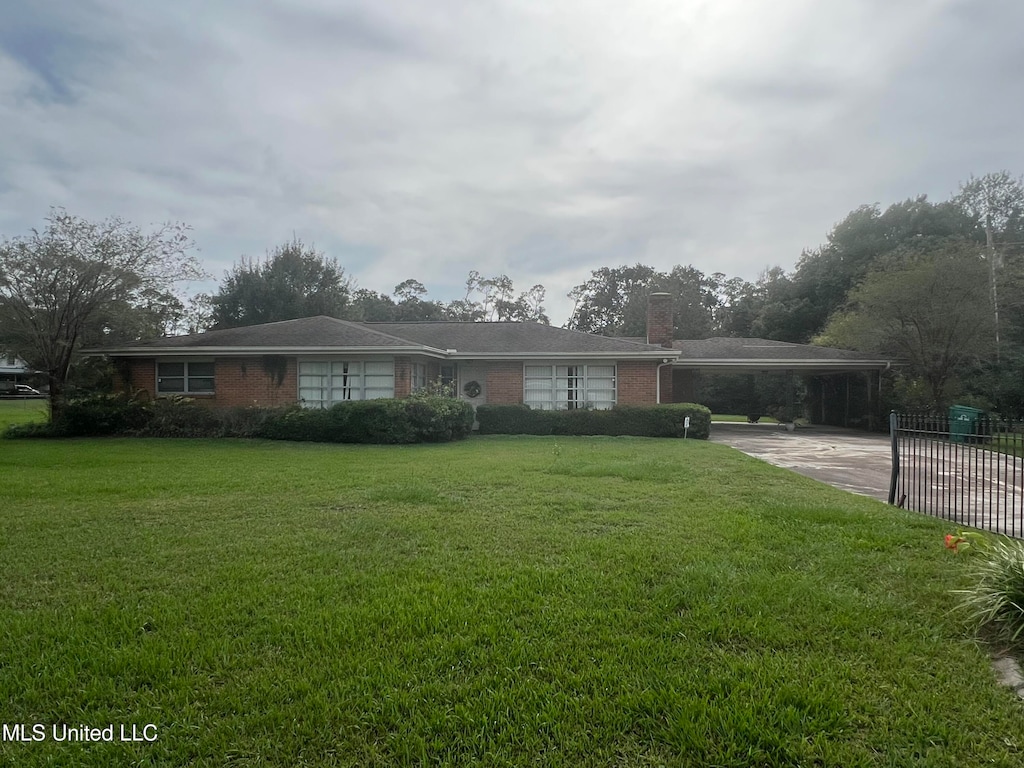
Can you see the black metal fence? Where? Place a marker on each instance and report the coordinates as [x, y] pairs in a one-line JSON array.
[[964, 467]]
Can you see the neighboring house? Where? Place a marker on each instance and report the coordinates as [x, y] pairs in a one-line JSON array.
[[13, 370], [319, 361]]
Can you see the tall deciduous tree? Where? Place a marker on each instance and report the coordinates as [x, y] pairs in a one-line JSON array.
[[529, 306], [613, 301], [996, 203], [77, 282], [603, 300], [493, 298], [824, 276], [413, 304], [294, 280], [370, 306], [927, 307]]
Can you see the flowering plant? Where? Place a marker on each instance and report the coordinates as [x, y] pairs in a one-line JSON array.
[[965, 540], [995, 597]]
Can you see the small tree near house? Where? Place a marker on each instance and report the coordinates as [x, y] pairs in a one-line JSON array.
[[61, 287]]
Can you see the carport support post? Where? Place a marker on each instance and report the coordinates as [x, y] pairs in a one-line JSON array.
[[790, 395], [895, 457]]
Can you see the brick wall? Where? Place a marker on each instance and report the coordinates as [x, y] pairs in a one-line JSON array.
[[247, 381], [505, 382], [403, 376], [237, 380], [638, 383], [137, 373], [251, 381]]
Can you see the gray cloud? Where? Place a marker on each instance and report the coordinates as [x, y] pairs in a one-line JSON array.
[[538, 140]]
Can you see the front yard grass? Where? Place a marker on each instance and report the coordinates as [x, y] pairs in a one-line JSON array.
[[22, 411], [500, 601]]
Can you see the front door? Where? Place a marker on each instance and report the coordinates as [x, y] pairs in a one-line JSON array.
[[473, 385]]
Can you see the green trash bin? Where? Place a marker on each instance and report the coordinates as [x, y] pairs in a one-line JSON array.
[[963, 423]]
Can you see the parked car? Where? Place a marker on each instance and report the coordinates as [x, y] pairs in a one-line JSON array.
[[21, 391]]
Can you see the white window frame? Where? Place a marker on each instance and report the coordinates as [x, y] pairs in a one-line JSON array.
[[343, 379], [418, 374], [187, 377], [570, 385]]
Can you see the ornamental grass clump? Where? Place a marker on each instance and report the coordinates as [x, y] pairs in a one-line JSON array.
[[995, 601]]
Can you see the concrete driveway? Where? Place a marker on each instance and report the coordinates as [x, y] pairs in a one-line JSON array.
[[859, 462]]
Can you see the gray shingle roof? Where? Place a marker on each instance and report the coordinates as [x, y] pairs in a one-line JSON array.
[[722, 348], [509, 338], [305, 332], [467, 339], [488, 340]]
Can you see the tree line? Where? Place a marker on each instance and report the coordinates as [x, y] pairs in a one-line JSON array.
[[297, 280], [939, 286]]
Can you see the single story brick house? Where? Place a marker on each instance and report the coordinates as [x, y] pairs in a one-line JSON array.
[[319, 361]]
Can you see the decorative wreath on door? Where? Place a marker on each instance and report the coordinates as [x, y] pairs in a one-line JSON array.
[[472, 389]]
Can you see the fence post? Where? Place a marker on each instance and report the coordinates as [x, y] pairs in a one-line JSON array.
[[893, 426]]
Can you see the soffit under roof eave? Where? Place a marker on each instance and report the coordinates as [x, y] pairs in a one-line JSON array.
[[250, 351], [666, 354], [578, 355], [801, 365]]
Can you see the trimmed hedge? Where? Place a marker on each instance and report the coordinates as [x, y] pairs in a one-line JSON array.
[[426, 419], [416, 419], [180, 417], [515, 420], [638, 420], [420, 418], [101, 415]]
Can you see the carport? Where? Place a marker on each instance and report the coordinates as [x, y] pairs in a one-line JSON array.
[[830, 403]]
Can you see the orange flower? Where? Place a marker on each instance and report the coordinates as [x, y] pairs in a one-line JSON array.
[[952, 542]]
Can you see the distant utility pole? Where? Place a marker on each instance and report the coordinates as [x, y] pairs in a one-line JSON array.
[[990, 246]]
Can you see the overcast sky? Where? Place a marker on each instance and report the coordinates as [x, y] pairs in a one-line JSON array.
[[540, 140]]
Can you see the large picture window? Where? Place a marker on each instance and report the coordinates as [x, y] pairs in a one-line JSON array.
[[322, 383], [561, 387], [184, 378]]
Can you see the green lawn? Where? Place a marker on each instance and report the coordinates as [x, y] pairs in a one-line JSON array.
[[1011, 443], [500, 601], [22, 411]]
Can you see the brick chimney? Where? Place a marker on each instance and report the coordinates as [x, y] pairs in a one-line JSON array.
[[660, 325]]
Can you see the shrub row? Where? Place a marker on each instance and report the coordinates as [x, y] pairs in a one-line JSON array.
[[420, 418], [416, 419], [638, 420], [427, 419]]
